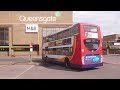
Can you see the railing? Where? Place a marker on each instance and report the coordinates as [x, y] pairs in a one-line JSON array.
[[14, 47]]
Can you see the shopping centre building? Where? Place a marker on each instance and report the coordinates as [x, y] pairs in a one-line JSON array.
[[20, 28]]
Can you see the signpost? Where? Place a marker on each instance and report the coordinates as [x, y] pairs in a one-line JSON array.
[[31, 50]]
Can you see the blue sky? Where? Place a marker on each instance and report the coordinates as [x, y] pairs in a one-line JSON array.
[[109, 21]]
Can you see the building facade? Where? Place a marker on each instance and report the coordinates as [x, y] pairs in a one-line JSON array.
[[20, 28], [111, 44], [110, 38]]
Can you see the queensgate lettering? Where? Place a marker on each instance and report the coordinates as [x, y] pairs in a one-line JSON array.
[[37, 18]]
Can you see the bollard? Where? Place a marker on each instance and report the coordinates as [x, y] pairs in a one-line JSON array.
[[30, 57]]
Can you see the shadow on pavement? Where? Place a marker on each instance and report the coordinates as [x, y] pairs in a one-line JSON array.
[[58, 66]]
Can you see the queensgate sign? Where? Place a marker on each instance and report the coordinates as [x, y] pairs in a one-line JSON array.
[[41, 19], [37, 19]]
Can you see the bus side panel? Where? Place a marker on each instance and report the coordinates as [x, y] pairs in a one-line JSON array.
[[76, 58], [99, 36]]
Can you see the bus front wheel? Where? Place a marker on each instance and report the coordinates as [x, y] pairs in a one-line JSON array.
[[67, 64]]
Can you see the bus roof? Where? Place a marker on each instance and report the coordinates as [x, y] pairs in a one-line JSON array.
[[72, 26], [89, 24]]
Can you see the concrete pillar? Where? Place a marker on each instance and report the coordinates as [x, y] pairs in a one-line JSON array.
[[40, 40], [10, 41]]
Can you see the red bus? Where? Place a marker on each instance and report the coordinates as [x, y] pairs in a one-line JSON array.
[[79, 45]]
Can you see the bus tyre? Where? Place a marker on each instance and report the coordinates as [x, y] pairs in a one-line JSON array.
[[67, 64]]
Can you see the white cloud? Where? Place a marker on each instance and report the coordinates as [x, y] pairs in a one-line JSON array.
[[109, 21]]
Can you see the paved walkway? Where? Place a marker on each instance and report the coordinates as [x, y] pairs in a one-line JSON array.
[[113, 59], [18, 60]]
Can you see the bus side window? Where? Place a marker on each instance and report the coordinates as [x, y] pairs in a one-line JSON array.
[[64, 51], [68, 41], [67, 51], [54, 51], [72, 31], [64, 34], [71, 51], [75, 30], [59, 51], [71, 34]]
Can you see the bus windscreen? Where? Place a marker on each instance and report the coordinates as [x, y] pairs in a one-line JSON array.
[[91, 44]]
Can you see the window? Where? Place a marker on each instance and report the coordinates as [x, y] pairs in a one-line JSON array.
[[59, 42], [53, 37], [49, 51], [50, 38], [64, 34], [92, 44], [4, 36], [60, 35], [118, 40], [51, 44], [54, 51], [47, 39], [51, 30], [89, 28], [69, 33], [67, 41], [75, 30], [59, 51], [44, 40], [71, 51], [67, 51], [118, 37]]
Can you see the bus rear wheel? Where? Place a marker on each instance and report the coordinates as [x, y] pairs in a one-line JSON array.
[[67, 64]]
